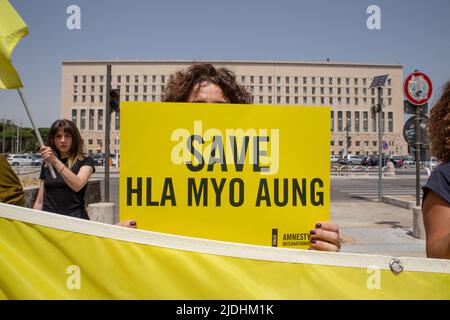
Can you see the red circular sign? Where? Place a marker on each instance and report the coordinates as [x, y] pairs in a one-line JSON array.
[[418, 88]]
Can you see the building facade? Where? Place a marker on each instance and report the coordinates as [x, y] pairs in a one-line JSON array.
[[343, 86]]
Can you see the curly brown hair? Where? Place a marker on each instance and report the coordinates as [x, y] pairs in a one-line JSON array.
[[439, 126], [184, 82]]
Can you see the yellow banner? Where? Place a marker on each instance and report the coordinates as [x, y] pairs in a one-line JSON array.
[[50, 256], [12, 29], [241, 173]]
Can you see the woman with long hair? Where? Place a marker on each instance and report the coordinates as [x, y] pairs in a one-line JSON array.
[[436, 192], [65, 151]]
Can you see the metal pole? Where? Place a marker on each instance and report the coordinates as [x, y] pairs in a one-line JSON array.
[[107, 130], [36, 131], [380, 147], [418, 146], [4, 135]]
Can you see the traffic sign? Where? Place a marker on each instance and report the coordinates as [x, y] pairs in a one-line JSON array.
[[385, 145], [409, 131], [418, 88], [410, 108]]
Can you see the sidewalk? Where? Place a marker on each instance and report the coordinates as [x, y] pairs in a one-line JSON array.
[[376, 228]]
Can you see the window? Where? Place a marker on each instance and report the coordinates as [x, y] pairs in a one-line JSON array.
[[339, 91], [287, 90], [136, 89], [296, 90], [322, 90], [356, 101], [92, 78], [163, 79], [304, 80], [296, 100], [136, 78], [127, 89], [304, 90], [339, 81], [390, 121], [82, 119], [339, 100], [100, 99], [144, 89], [347, 91], [117, 121], [321, 80], [278, 100], [90, 141], [74, 116], [365, 121], [341, 143], [145, 98], [357, 121], [356, 81], [92, 99], [278, 90], [91, 119], [332, 122], [330, 81], [75, 89], [74, 99], [332, 143], [119, 78], [295, 80], [83, 99], [374, 143], [269, 80], [314, 100], [364, 82], [278, 80], [136, 97], [313, 80], [287, 100], [305, 100], [260, 89], [260, 79], [270, 89], [153, 79], [83, 89], [99, 142], [101, 89], [347, 100], [101, 78], [269, 100], [260, 99], [145, 79], [330, 91], [84, 79], [358, 143], [356, 91], [252, 79], [347, 81], [100, 120], [389, 101], [389, 82], [75, 79], [127, 78], [339, 121], [153, 98], [331, 100], [322, 100], [313, 90], [348, 121], [243, 79], [364, 91], [287, 80]]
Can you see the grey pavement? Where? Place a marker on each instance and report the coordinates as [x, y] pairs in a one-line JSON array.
[[366, 226]]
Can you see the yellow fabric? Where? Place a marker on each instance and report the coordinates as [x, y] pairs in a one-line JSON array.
[[35, 263], [154, 145], [12, 29]]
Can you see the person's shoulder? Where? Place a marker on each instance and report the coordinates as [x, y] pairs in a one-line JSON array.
[[441, 171], [87, 160]]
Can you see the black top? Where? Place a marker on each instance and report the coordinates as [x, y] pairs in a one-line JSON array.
[[439, 182], [59, 197]]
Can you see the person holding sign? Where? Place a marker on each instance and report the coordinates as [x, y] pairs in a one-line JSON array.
[[436, 192], [64, 150], [203, 83]]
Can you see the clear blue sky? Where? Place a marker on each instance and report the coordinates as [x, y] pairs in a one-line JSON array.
[[414, 33]]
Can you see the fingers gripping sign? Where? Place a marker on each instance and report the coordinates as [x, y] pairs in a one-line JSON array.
[[325, 237]]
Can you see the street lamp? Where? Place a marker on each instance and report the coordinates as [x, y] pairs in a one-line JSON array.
[[379, 82]]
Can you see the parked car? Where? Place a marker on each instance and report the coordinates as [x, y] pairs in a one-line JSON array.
[[351, 159], [334, 158], [37, 160], [20, 160], [397, 161], [433, 163], [408, 161], [374, 160]]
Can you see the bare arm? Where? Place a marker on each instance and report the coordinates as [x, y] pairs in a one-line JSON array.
[[436, 218], [75, 181], [40, 197]]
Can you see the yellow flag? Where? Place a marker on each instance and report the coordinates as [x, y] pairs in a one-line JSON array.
[[12, 29]]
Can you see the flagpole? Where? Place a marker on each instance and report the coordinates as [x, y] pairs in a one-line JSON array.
[[36, 131]]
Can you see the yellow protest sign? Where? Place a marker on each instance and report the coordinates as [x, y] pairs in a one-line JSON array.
[[241, 173]]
